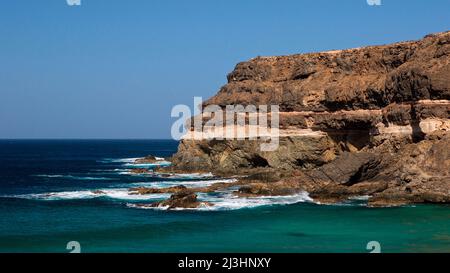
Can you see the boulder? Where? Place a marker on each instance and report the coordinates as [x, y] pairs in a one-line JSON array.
[[182, 199]]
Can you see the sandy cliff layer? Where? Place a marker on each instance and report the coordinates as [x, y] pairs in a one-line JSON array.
[[367, 121]]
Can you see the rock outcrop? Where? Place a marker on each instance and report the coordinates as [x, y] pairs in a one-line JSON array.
[[365, 121], [150, 159], [144, 190], [181, 199]]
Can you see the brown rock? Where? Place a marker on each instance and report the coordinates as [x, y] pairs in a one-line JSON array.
[[144, 190], [280, 188], [182, 199], [146, 160], [140, 171], [366, 121]]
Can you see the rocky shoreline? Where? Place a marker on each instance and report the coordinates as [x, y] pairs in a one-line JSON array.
[[371, 121]]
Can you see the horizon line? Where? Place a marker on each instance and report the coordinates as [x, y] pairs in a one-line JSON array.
[[87, 139]]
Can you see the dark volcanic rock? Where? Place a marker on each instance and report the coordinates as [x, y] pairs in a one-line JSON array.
[[417, 173], [348, 169], [181, 199]]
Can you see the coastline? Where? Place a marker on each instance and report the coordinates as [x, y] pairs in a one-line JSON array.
[[368, 122], [37, 221]]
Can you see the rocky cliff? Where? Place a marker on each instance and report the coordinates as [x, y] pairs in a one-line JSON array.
[[366, 121]]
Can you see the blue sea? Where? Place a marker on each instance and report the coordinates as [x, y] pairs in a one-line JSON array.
[[56, 191]]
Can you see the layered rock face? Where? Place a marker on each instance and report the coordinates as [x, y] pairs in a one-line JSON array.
[[371, 120]]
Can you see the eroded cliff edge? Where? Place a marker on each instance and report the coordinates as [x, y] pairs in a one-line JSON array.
[[367, 121]]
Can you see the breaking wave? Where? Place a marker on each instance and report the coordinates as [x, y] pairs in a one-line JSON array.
[[188, 184], [130, 162], [167, 175], [148, 165], [73, 177], [119, 160], [220, 200], [121, 194], [228, 201]]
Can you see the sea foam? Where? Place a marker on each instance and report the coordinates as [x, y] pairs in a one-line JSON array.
[[228, 201], [121, 194], [186, 183], [73, 177]]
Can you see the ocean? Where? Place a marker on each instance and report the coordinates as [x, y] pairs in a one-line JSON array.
[[53, 192]]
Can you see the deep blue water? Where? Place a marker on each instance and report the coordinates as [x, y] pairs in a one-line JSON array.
[[46, 200]]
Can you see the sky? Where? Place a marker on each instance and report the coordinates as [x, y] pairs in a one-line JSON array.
[[115, 68]]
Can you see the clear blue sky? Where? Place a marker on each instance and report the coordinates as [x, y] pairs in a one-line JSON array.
[[115, 68]]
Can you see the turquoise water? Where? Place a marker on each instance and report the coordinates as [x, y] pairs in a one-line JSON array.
[[32, 222]]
